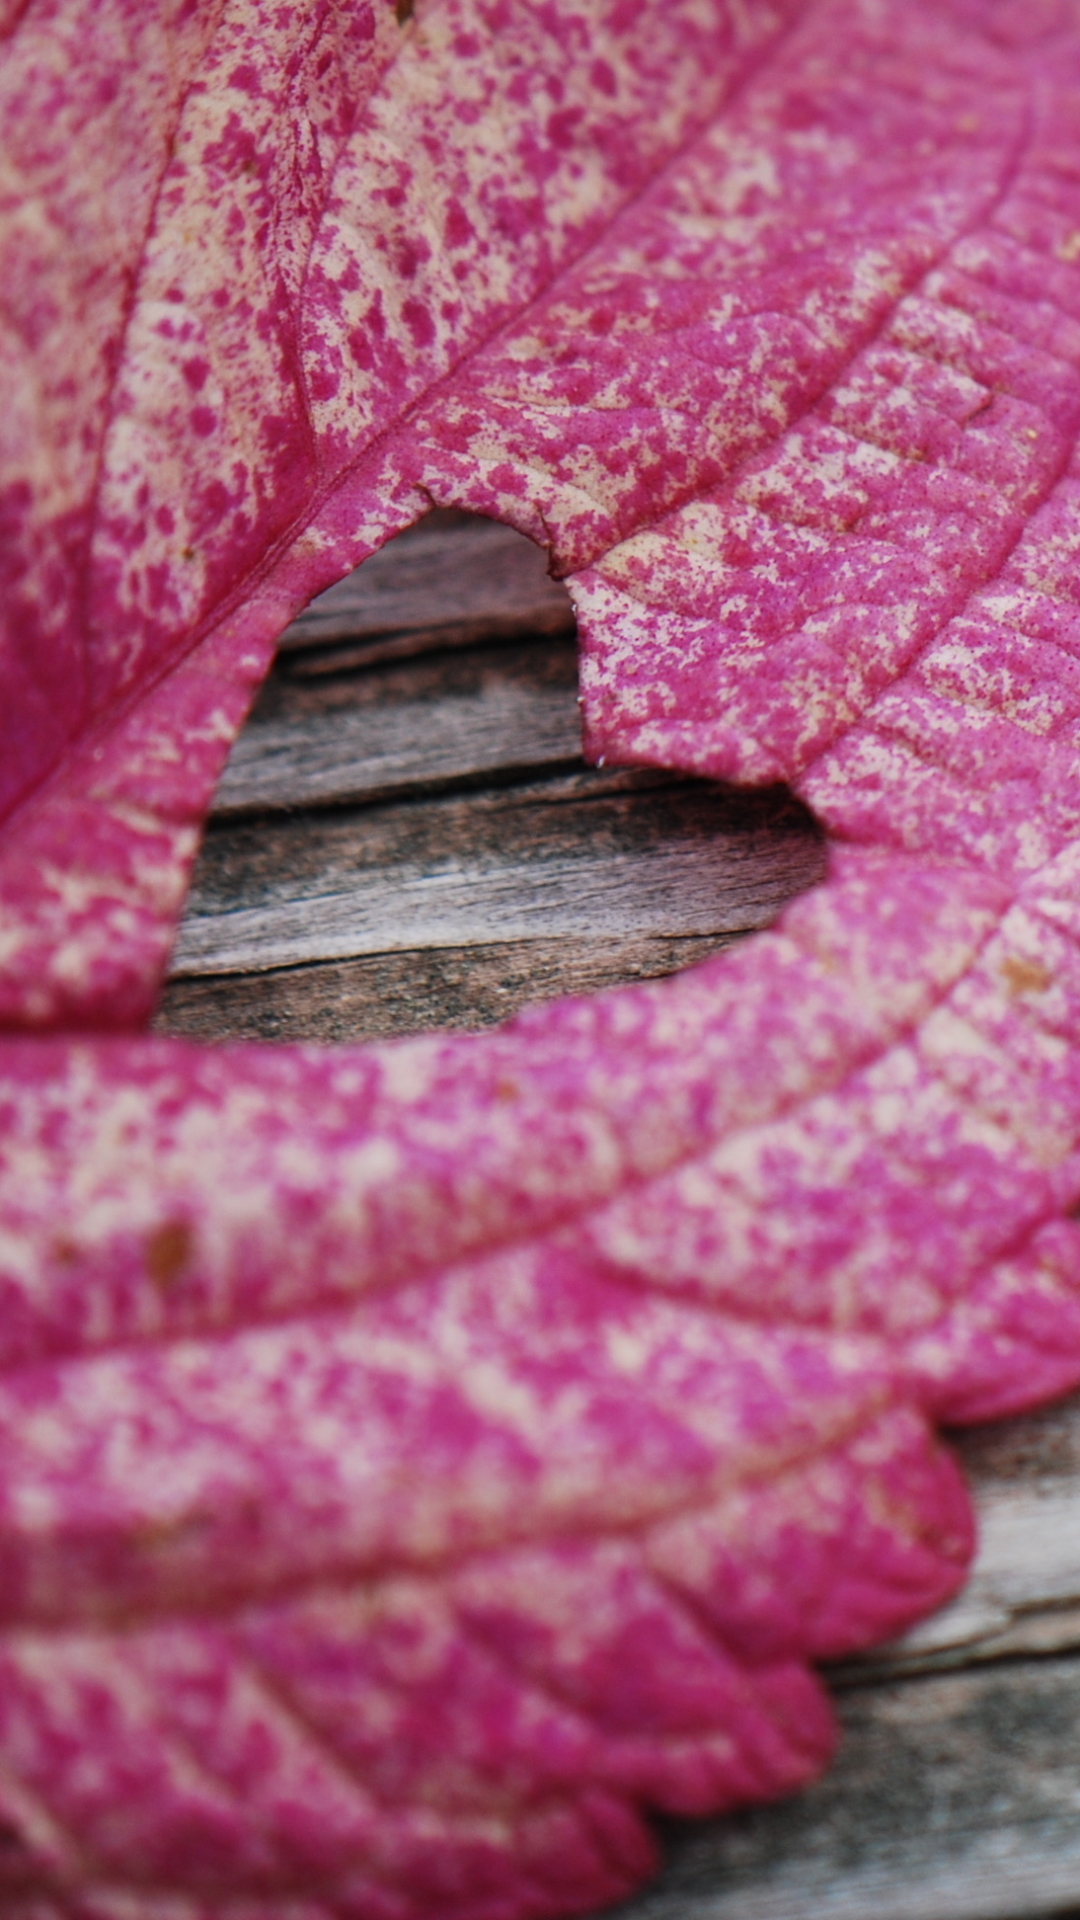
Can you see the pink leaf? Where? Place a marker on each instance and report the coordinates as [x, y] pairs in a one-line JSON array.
[[416, 1459]]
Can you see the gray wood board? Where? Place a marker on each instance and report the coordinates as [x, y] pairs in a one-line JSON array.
[[380, 995], [455, 577], [399, 728], [565, 859]]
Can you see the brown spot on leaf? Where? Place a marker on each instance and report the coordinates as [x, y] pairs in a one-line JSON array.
[[1025, 976], [168, 1251], [404, 11], [169, 1535]]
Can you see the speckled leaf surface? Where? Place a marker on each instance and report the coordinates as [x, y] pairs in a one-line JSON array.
[[416, 1461]]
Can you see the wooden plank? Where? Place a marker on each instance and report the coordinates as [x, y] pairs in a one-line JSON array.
[[452, 580], [401, 728], [436, 918], [565, 859], [954, 1797], [384, 994]]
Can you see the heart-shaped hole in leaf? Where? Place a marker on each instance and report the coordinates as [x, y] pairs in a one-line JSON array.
[[407, 836]]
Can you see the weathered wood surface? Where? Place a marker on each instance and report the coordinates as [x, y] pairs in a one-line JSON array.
[[406, 837], [391, 993], [587, 857], [412, 841], [450, 581], [389, 730]]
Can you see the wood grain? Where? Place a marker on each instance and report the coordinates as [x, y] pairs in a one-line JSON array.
[[450, 720], [567, 860], [452, 580], [320, 910], [384, 994]]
